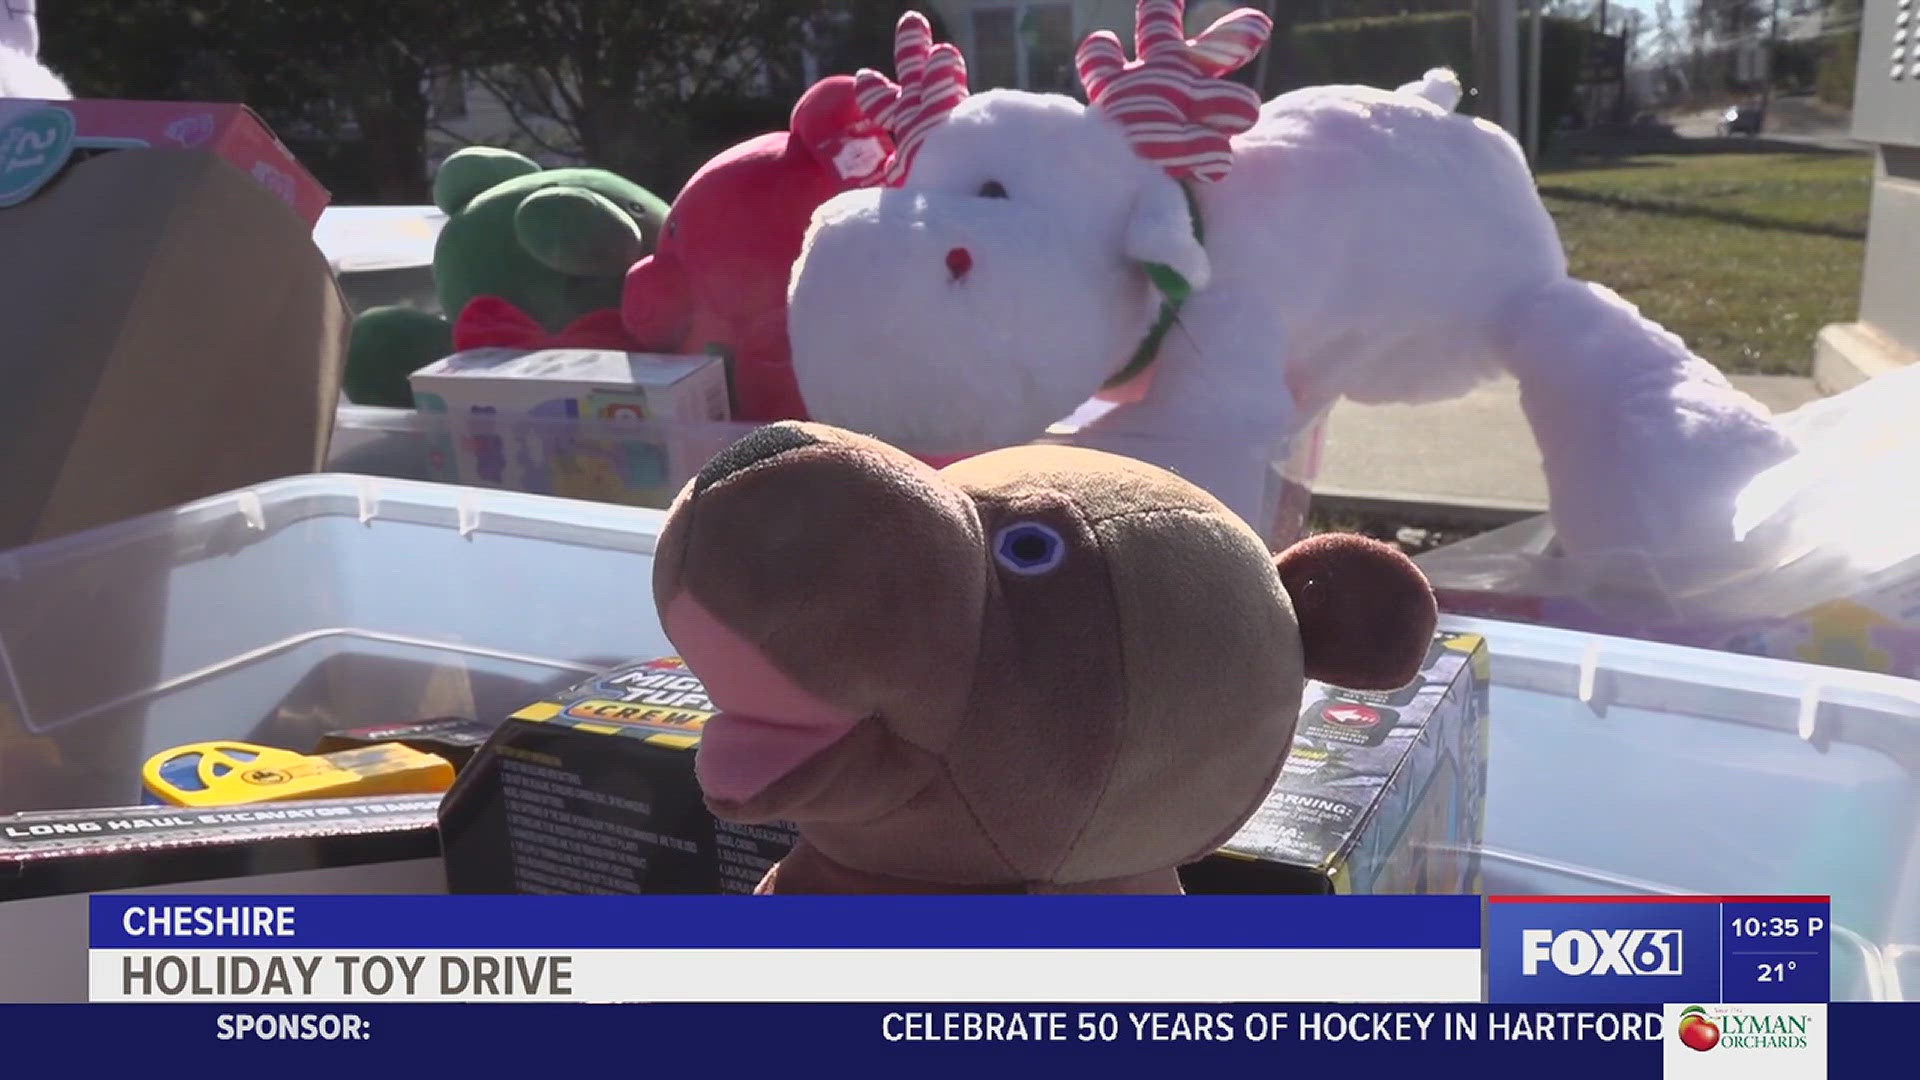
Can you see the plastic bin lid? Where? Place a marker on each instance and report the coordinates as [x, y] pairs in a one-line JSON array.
[[371, 238]]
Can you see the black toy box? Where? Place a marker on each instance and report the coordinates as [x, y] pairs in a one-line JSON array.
[[593, 791]]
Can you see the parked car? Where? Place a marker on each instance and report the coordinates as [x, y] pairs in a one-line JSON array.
[[1742, 120]]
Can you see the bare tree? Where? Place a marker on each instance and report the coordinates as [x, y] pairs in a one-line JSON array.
[[651, 88], [617, 82], [342, 73], [1726, 22], [1670, 38]]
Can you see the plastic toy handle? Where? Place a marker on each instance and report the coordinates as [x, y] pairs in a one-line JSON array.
[[215, 760], [215, 754]]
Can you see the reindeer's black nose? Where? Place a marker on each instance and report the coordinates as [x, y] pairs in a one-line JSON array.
[[751, 449]]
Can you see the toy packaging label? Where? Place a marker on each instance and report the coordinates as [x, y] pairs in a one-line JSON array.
[[579, 423], [1383, 793], [593, 791], [38, 138], [62, 852]]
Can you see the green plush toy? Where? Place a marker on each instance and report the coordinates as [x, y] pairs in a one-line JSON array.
[[529, 259]]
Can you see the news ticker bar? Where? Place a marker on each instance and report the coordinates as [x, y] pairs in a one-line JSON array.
[[932, 1040], [346, 949]]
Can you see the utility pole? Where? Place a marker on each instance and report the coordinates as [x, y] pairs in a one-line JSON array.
[[1533, 86], [1497, 51], [1773, 55], [1629, 51], [1597, 39]]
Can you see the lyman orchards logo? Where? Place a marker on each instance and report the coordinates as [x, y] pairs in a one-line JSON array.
[[1697, 1029], [1703, 1031], [1745, 1042]]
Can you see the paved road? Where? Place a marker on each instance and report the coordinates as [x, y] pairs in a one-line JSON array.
[[1796, 119]]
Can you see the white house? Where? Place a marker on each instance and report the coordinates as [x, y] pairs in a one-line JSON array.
[[467, 112]]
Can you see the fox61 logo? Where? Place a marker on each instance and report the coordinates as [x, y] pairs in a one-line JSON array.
[[1602, 952]]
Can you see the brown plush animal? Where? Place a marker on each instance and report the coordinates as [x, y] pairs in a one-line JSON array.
[[1038, 670]]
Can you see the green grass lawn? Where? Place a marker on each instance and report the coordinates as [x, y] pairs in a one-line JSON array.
[[1745, 255]]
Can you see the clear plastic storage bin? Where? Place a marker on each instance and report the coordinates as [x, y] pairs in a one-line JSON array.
[[280, 612], [644, 463], [382, 254], [1619, 765]]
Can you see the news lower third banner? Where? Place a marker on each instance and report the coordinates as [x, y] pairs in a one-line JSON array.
[[1687, 987], [786, 949]]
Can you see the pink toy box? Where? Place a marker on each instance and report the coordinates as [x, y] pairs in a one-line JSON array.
[[233, 132]]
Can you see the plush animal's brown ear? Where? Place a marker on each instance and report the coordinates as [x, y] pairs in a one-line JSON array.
[[1366, 612]]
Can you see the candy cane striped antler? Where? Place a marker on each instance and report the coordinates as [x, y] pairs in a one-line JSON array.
[[933, 79], [1175, 107]]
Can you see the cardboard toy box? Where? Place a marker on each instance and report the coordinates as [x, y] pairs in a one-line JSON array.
[[1383, 793], [1876, 629], [39, 138], [592, 424], [594, 791], [172, 330], [70, 852], [454, 738], [51, 861]]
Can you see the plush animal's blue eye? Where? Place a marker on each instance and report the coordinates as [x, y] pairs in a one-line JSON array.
[[993, 189], [1029, 548]]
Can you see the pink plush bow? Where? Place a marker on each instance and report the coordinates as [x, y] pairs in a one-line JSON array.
[[1172, 102], [933, 80], [490, 322]]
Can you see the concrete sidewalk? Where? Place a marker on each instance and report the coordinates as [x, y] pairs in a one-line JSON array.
[[1474, 454]]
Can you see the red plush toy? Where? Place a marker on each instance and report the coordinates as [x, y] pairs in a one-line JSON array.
[[717, 279]]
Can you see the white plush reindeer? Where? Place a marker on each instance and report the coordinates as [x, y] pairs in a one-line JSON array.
[[22, 75], [1229, 270]]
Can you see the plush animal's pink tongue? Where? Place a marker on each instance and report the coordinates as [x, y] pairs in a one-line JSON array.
[[768, 726], [741, 756]]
